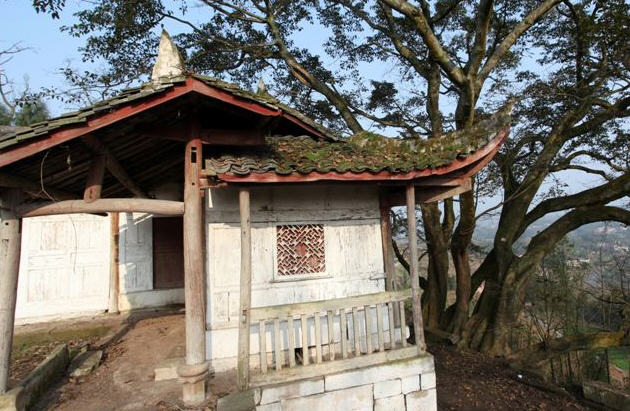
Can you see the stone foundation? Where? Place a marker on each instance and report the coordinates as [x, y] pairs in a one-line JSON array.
[[399, 385], [606, 394]]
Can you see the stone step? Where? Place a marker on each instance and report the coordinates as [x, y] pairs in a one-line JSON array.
[[84, 363]]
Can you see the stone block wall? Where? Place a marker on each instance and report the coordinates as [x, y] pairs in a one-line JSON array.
[[400, 385]]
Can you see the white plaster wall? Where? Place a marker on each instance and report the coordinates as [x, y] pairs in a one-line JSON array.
[[136, 265], [64, 267], [353, 252]]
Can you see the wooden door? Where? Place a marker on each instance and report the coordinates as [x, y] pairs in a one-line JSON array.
[[168, 252], [64, 266]]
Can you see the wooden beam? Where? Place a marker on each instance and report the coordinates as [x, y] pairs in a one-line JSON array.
[[94, 182], [394, 197], [103, 205], [290, 310], [210, 136], [113, 165], [114, 260], [433, 194], [194, 372], [245, 289], [418, 326], [33, 188], [10, 244]]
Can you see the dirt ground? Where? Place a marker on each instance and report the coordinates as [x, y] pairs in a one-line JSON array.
[[33, 342], [471, 381], [125, 379]]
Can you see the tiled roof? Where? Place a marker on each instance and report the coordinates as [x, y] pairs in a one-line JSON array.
[[359, 153], [10, 137]]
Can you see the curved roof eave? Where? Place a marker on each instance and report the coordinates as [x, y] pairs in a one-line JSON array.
[[457, 169]]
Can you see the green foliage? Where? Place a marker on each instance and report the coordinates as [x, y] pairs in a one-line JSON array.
[[555, 293], [5, 116], [31, 113]]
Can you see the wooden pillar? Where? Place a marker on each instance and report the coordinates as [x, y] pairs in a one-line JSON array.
[[114, 249], [193, 374], [10, 233], [246, 289], [94, 182], [413, 267], [388, 250]]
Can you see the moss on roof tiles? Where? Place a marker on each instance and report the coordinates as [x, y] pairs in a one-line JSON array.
[[359, 153]]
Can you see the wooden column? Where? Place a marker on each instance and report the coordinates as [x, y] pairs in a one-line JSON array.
[[246, 289], [418, 326], [94, 182], [388, 250], [193, 374], [10, 230], [114, 248]]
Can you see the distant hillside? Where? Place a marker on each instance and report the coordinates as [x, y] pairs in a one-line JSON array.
[[585, 238]]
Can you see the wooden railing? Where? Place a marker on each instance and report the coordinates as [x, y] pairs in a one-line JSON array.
[[294, 336]]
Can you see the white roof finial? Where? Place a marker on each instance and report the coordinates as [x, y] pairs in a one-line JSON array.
[[169, 62], [262, 88]]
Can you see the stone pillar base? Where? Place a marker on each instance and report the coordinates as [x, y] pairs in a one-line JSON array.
[[193, 377]]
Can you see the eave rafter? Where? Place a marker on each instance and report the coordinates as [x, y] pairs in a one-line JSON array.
[[112, 165], [210, 136], [35, 189]]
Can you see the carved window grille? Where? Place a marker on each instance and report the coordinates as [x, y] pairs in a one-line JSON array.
[[300, 249]]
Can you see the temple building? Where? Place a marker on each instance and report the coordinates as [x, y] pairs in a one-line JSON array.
[[273, 231]]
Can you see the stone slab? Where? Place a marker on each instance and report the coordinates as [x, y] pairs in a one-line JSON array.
[[239, 401], [303, 388], [606, 394], [369, 375], [270, 407], [12, 400], [355, 398], [167, 369], [410, 384], [422, 400], [386, 388], [38, 381], [394, 403], [84, 363], [427, 381]]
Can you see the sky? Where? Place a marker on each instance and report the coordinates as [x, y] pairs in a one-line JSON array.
[[49, 49]]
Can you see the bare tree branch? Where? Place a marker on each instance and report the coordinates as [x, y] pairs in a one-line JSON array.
[[439, 54], [509, 40]]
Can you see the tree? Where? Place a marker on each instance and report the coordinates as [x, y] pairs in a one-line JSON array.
[[31, 112], [18, 108], [5, 116], [445, 60]]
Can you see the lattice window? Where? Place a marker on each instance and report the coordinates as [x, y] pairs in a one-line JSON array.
[[300, 249]]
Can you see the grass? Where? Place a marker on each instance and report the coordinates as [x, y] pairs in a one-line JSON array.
[[23, 344], [620, 356]]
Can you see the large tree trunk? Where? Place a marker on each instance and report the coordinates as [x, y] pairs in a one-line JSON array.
[[434, 297], [459, 251]]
